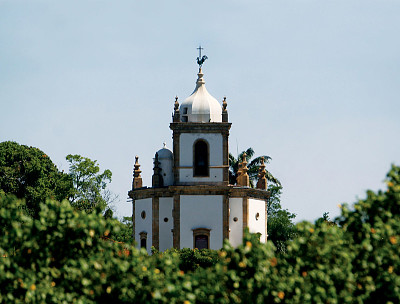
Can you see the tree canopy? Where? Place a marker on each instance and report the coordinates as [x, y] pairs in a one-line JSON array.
[[89, 184], [29, 174]]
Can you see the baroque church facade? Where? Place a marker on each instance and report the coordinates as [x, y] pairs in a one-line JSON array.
[[191, 203]]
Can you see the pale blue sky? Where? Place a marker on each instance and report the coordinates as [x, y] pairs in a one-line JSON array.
[[312, 83]]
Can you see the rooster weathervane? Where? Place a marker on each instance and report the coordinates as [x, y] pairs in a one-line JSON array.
[[200, 60]]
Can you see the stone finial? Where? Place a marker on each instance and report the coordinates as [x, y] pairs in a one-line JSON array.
[[262, 180], [224, 111], [243, 179], [200, 79], [239, 172], [244, 164], [157, 179], [177, 114], [137, 179], [176, 104]]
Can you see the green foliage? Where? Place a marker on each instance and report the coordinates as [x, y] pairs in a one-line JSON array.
[[62, 257], [192, 259], [252, 165], [108, 214], [281, 228], [124, 233], [89, 185], [324, 219], [374, 236], [29, 173]]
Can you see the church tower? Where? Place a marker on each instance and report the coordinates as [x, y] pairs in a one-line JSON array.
[[191, 203], [198, 127]]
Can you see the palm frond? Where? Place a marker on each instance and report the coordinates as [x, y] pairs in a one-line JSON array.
[[273, 179], [249, 154], [252, 165], [257, 161]]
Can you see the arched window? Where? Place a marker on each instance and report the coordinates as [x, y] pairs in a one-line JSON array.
[[143, 239], [201, 159]]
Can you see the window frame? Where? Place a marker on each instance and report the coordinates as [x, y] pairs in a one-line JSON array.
[[201, 232]]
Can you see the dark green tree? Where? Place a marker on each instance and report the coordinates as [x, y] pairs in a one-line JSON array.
[[281, 228], [29, 174], [108, 214], [89, 184]]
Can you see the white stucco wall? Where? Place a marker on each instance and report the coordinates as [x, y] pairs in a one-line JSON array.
[[186, 157], [257, 226], [165, 233], [143, 224], [201, 211], [236, 228]]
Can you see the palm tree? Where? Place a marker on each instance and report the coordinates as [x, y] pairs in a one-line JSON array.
[[252, 165]]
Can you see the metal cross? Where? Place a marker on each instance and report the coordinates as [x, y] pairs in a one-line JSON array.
[[200, 48]]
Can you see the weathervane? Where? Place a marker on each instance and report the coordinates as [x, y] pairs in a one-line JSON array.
[[200, 60]]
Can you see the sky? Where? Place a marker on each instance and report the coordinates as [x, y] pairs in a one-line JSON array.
[[314, 84]]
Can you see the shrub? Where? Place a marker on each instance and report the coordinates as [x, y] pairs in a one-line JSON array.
[[61, 257]]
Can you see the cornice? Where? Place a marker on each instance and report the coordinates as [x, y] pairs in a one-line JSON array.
[[200, 127], [170, 191]]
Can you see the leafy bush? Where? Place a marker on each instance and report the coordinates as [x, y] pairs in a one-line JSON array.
[[61, 257], [192, 259]]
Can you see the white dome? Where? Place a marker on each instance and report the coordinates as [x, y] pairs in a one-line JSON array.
[[200, 106], [166, 159], [165, 153]]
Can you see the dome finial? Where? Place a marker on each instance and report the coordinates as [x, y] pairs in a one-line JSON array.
[[200, 60], [200, 79]]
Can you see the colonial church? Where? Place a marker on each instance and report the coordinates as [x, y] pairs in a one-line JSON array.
[[191, 203]]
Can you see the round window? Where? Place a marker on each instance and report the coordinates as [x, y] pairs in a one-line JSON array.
[[235, 219], [165, 219], [143, 214]]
